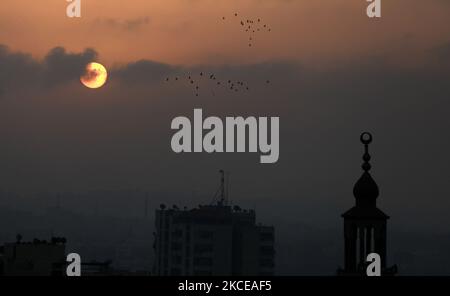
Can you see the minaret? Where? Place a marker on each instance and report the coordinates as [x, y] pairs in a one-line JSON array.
[[365, 224]]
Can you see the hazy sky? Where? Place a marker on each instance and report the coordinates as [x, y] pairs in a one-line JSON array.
[[334, 74], [192, 31]]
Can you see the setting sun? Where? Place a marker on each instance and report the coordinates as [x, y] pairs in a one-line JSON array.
[[95, 75]]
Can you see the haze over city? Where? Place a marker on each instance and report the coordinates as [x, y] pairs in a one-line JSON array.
[[334, 73]]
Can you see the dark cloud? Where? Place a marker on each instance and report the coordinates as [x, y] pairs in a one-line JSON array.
[[20, 71], [61, 66], [144, 71], [17, 69]]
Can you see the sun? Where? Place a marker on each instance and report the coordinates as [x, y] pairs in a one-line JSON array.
[[94, 76]]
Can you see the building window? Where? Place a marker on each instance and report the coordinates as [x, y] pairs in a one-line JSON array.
[[202, 273], [176, 247], [175, 271], [267, 251], [267, 237], [205, 235], [266, 263], [177, 233], [176, 259], [203, 248], [202, 261]]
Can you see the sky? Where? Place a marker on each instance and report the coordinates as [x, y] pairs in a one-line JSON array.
[[192, 31], [333, 74]]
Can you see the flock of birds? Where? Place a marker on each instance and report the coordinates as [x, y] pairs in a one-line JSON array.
[[252, 27], [196, 81]]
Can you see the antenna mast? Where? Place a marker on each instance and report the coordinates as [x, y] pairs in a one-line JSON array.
[[222, 193]]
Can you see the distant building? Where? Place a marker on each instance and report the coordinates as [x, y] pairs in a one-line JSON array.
[[365, 224], [212, 240], [94, 268], [36, 258]]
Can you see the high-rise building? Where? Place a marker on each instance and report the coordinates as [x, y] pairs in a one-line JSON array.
[[365, 224], [212, 240]]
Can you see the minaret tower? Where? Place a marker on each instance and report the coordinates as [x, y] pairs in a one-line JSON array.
[[365, 224]]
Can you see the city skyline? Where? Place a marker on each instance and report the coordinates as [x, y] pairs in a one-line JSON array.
[[74, 158]]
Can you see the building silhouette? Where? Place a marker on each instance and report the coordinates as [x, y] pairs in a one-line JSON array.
[[365, 224], [212, 240], [36, 258]]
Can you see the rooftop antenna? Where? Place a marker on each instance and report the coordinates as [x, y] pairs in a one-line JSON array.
[[222, 191]]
